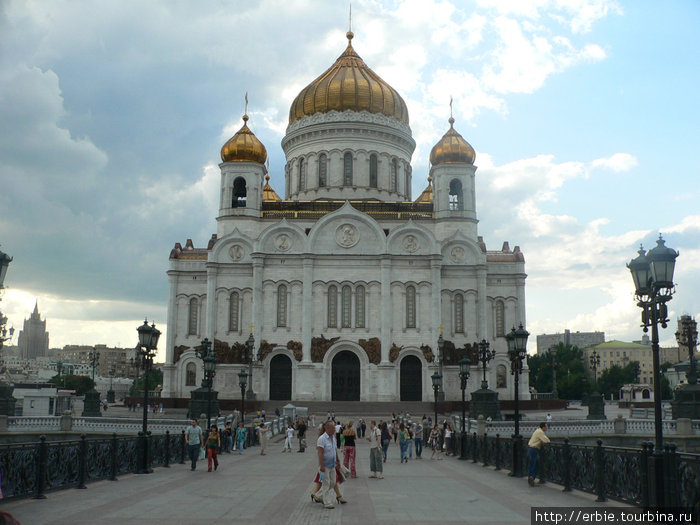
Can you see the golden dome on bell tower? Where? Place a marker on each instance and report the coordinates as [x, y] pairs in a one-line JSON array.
[[452, 149], [349, 85], [244, 146]]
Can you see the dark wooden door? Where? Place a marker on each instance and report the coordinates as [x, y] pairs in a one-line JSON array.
[[345, 377], [280, 378], [411, 379]]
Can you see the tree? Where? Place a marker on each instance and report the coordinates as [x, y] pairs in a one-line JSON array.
[[572, 381], [612, 379], [155, 378], [80, 384]]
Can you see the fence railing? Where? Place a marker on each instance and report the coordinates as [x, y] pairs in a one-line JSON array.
[[617, 473]]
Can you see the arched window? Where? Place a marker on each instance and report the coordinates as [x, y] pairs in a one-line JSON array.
[[360, 307], [239, 193], [192, 317], [646, 394], [459, 313], [501, 376], [281, 306], [322, 170], [456, 202], [372, 171], [500, 319], [332, 307], [302, 175], [233, 312], [346, 304], [410, 307], [191, 375], [347, 169], [394, 175]]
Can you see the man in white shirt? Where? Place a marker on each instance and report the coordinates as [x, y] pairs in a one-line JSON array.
[[327, 458]]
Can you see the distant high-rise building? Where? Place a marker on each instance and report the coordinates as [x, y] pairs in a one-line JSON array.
[[34, 339], [580, 339]]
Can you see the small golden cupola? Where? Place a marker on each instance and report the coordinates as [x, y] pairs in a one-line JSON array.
[[427, 195], [268, 193], [244, 146], [349, 85], [452, 149]]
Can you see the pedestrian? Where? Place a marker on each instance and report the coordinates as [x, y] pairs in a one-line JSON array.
[[228, 438], [350, 435], [394, 432], [364, 428], [403, 442], [193, 438], [301, 433], [548, 418], [386, 439], [336, 488], [241, 432], [409, 445], [327, 459], [418, 439], [263, 429], [434, 443], [288, 440], [448, 440], [338, 433], [213, 445], [537, 440], [375, 454], [277, 412]]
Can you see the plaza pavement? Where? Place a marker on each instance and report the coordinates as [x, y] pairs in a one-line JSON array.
[[275, 488]]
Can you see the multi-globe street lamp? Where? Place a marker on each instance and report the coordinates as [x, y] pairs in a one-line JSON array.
[[555, 364], [464, 365], [517, 352], [652, 274], [687, 335], [207, 355], [250, 349], [484, 355], [148, 343], [437, 380], [594, 360], [7, 402], [110, 392], [242, 381]]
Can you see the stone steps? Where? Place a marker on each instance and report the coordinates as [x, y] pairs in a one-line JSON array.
[[354, 408]]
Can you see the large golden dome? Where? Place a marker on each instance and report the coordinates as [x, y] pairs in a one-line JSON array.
[[349, 85], [244, 146], [452, 149]]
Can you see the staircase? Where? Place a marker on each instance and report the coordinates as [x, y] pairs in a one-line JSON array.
[[362, 409]]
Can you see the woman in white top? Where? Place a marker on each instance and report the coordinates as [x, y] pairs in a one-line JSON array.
[[288, 439]]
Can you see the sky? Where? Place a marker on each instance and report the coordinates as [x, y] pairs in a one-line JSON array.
[[583, 113]]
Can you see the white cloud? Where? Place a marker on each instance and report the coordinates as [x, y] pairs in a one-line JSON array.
[[618, 162]]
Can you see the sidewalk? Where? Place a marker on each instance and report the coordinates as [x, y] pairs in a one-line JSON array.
[[275, 488]]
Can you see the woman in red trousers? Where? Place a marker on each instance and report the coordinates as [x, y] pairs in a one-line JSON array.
[[349, 450]]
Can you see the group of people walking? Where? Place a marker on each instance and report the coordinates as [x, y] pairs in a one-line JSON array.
[[212, 442]]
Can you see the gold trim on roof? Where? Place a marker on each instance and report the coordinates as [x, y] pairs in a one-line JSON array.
[[268, 193], [427, 195], [349, 85]]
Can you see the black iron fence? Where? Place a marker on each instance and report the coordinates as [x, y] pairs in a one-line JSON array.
[[616, 473], [32, 469]]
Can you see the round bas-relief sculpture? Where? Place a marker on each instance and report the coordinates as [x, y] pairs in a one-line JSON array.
[[236, 252], [457, 254], [410, 243], [283, 242], [346, 235]]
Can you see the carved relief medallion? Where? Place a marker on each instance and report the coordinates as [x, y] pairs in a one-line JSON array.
[[283, 242], [347, 235], [457, 254], [410, 243], [236, 252]]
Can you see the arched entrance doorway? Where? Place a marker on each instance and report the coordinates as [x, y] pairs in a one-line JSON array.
[[411, 379], [345, 377], [280, 378]]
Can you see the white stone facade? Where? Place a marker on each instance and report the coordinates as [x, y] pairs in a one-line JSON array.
[[347, 281]]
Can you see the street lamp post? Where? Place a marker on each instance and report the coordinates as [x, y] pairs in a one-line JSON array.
[[437, 380], [555, 363], [441, 355], [148, 343], [209, 373], [594, 360], [250, 349], [464, 365], [91, 401], [7, 402], [687, 336], [485, 354], [652, 274], [517, 352], [242, 380], [596, 406]]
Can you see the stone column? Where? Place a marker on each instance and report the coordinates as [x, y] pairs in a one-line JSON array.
[[258, 262], [436, 299], [307, 310], [481, 305], [210, 327], [520, 294], [386, 309], [172, 319]]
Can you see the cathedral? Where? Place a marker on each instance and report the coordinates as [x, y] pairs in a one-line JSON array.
[[347, 283]]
